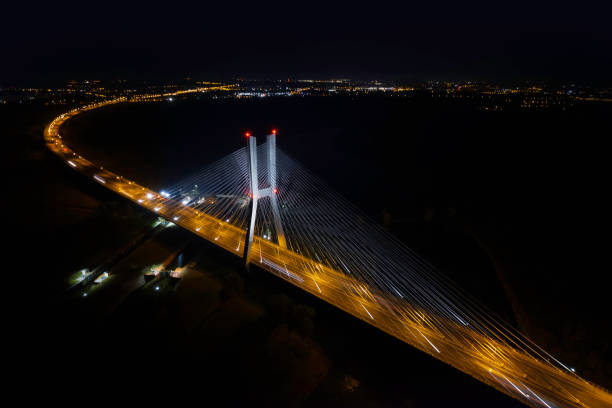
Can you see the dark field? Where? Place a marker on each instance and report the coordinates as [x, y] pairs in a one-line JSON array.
[[508, 204]]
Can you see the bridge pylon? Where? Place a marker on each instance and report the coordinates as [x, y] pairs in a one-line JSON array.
[[255, 193]]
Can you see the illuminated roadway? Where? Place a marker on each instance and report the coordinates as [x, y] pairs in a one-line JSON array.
[[533, 381]]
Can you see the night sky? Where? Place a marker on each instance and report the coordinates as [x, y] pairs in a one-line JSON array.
[[425, 40]]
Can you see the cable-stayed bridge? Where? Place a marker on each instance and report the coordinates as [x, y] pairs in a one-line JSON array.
[[260, 204]]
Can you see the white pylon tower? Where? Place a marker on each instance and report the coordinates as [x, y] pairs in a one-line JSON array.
[[255, 193]]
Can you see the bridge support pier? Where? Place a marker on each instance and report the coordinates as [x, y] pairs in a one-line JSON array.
[[255, 193], [272, 189]]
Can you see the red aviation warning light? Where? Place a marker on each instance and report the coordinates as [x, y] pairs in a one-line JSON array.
[[273, 131], [275, 190], [247, 134]]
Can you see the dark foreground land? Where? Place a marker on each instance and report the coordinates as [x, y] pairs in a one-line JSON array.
[[504, 203]]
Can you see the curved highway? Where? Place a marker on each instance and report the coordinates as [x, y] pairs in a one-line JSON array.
[[536, 382]]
